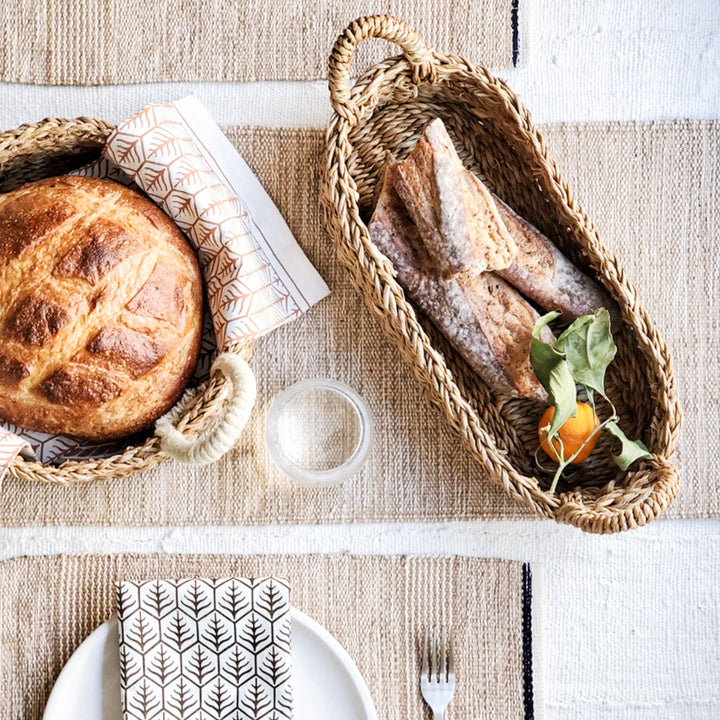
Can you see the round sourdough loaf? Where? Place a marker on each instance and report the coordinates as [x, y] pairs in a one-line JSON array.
[[100, 308]]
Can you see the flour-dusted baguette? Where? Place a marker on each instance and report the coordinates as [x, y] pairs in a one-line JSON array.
[[437, 190], [455, 213], [394, 233], [543, 274], [486, 321]]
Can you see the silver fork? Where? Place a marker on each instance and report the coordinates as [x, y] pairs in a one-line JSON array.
[[437, 677]]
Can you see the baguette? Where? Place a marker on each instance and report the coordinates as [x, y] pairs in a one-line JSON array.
[[543, 274], [455, 213], [487, 322], [431, 180]]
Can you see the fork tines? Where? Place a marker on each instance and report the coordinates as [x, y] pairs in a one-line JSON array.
[[437, 675]]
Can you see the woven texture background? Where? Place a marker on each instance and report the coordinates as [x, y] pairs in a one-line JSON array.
[[106, 42], [654, 192], [376, 607]]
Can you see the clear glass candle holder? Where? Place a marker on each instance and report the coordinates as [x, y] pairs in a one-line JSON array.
[[319, 432]]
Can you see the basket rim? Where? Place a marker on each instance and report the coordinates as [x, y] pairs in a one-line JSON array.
[[350, 236]]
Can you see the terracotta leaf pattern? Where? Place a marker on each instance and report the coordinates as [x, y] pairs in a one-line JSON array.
[[103, 168], [10, 446], [200, 649], [247, 295]]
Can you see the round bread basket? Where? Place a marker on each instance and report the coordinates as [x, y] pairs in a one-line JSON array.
[[208, 420], [387, 109]]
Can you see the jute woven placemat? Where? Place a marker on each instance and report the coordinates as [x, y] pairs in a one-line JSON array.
[[653, 190], [376, 607], [111, 42]]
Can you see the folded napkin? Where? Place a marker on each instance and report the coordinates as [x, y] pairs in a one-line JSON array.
[[200, 649], [256, 275]]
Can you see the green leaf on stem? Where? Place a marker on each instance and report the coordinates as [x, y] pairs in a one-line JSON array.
[[553, 372], [630, 451], [589, 348]]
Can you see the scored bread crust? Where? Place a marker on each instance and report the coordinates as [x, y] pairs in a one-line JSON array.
[[542, 273], [100, 309]]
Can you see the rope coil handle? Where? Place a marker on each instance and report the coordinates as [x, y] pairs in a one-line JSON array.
[[212, 444], [385, 27]]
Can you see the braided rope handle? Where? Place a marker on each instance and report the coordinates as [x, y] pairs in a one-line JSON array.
[[385, 27], [212, 444]]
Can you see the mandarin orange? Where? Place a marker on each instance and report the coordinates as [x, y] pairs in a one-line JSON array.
[[574, 432]]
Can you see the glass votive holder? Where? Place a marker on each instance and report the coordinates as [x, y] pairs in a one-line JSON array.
[[319, 432]]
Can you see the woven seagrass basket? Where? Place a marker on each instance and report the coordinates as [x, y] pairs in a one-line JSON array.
[[209, 421], [387, 109]]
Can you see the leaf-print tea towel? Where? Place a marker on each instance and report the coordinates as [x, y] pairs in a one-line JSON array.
[[200, 649], [256, 275]]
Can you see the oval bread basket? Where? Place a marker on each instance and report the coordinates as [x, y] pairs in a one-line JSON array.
[[209, 421], [387, 109]]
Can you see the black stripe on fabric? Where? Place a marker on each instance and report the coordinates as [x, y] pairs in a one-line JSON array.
[[514, 9], [528, 702]]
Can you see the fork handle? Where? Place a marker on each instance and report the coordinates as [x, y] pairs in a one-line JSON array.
[[438, 715]]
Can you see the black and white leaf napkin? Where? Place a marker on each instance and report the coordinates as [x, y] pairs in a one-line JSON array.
[[200, 649]]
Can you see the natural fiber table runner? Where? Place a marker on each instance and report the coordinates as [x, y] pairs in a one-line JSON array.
[[653, 190], [376, 607], [111, 42]]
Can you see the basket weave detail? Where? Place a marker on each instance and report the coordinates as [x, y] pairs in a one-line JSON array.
[[387, 109]]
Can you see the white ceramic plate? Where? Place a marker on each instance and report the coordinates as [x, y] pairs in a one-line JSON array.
[[326, 682]]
